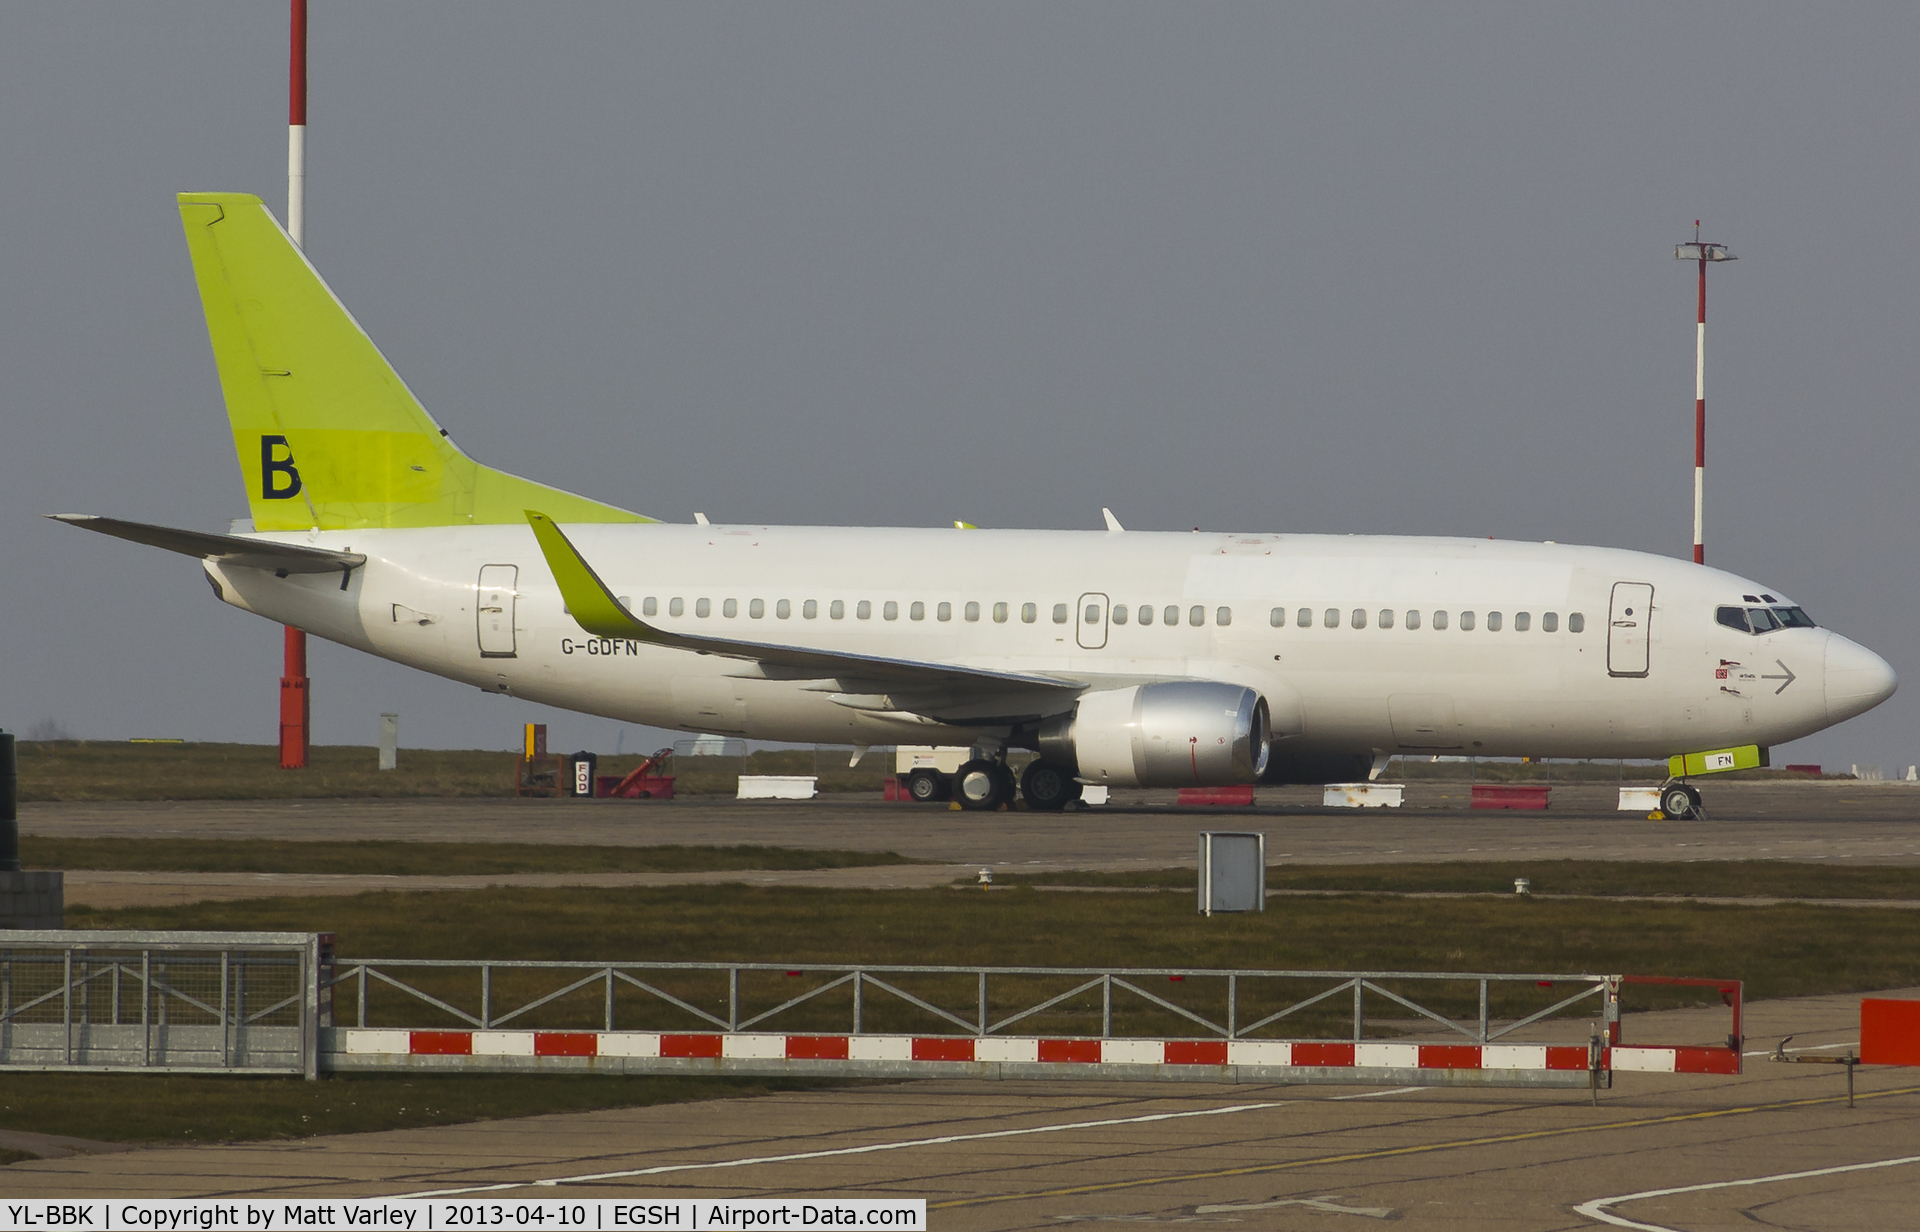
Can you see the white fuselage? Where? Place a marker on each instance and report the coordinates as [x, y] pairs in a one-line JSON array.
[[1582, 678]]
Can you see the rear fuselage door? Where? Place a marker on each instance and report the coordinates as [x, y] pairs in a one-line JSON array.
[[1090, 622], [1629, 628], [495, 610]]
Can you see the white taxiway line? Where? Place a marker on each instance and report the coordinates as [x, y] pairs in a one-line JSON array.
[[1596, 1209], [1376, 1094], [845, 1150]]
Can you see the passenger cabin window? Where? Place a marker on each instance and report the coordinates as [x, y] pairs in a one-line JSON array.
[[1196, 616], [1277, 617], [918, 611], [1171, 616], [757, 609], [730, 608], [1439, 620], [783, 609], [649, 606], [1576, 623], [999, 613], [1522, 621], [1223, 616], [1413, 619], [973, 611], [1059, 613], [1331, 618], [1466, 622], [1359, 618], [864, 611], [1029, 613], [943, 612], [810, 609], [703, 607], [1119, 613], [891, 610], [1304, 618], [1146, 613], [1733, 618], [1550, 622], [676, 607], [1092, 615], [1386, 618], [1493, 622]]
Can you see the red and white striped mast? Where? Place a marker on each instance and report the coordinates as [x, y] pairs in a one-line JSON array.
[[1703, 253], [296, 703]]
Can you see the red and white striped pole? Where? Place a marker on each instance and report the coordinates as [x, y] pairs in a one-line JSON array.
[[296, 702], [1702, 253]]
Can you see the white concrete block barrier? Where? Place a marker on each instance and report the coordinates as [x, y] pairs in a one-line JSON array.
[[1203, 1060]]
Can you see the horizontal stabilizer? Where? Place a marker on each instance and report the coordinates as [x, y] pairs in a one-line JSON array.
[[227, 549], [599, 612]]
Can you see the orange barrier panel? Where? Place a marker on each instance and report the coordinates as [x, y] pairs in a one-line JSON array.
[[1889, 1032], [1509, 796]]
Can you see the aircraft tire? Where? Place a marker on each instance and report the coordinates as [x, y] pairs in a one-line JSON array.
[[979, 785], [1679, 800], [927, 786], [1048, 786]]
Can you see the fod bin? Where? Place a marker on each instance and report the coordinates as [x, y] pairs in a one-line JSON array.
[[581, 767]]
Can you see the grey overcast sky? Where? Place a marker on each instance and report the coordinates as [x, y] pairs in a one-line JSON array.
[[1337, 267]]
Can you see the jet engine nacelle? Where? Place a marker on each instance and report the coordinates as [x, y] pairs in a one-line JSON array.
[[1178, 733]]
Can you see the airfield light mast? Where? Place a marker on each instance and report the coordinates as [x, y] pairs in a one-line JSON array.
[[1702, 253], [296, 703]]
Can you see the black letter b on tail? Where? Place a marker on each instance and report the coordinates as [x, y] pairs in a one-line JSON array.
[[272, 468]]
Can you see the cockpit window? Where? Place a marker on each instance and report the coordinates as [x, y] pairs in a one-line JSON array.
[[1763, 619]]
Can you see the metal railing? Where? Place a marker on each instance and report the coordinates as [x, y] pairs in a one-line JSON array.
[[1480, 1007], [174, 1001]]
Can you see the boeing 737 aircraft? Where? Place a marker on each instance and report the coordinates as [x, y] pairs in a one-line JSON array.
[[1122, 657]]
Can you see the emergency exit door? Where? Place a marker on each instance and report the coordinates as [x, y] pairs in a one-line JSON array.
[[1629, 629], [495, 610], [1090, 622]]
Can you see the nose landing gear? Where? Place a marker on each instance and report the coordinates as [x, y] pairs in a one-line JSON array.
[[1682, 801]]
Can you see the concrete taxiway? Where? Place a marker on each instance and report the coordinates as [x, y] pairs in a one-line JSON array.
[[1834, 822], [1009, 1155]]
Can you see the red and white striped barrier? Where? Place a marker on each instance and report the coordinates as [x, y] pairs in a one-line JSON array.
[[363, 1047]]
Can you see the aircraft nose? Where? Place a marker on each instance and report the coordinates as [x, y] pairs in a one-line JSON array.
[[1857, 679]]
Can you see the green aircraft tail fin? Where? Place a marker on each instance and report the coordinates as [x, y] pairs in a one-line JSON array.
[[327, 434]]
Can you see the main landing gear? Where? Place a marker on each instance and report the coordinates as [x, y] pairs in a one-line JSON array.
[[987, 783], [1681, 801]]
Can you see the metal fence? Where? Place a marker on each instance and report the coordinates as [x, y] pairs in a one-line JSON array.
[[980, 1001], [176, 1001]]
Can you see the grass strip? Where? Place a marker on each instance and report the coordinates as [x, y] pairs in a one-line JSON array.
[[1781, 951], [1602, 878], [179, 1108], [52, 770], [380, 857]]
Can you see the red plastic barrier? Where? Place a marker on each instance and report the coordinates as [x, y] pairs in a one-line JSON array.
[[1509, 796], [1889, 1032], [1242, 795], [649, 787]]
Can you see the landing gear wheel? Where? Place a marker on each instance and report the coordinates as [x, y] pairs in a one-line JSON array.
[[926, 786], [982, 784], [1048, 786], [1679, 800]]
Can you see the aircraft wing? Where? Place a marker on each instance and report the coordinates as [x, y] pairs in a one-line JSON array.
[[280, 558], [862, 682]]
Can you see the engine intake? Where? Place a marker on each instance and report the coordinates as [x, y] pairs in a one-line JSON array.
[[1181, 733]]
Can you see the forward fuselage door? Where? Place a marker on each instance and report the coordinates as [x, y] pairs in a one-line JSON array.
[[497, 593], [1629, 628], [1090, 622]]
